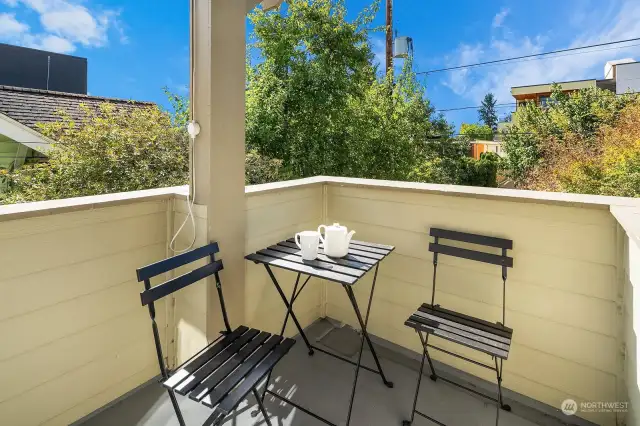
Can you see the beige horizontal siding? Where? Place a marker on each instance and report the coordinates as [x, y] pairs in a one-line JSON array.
[[75, 336], [630, 276], [566, 239], [74, 333], [273, 217], [561, 293]]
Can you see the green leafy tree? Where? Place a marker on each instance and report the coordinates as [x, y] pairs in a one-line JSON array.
[[487, 112], [460, 170], [313, 64], [476, 131], [570, 121], [390, 127], [482, 172], [112, 149], [259, 169], [608, 165], [523, 153], [316, 102], [180, 106]]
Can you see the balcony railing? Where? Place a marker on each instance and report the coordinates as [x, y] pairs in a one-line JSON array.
[[75, 337]]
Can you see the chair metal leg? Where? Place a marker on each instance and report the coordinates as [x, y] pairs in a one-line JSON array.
[[425, 342], [415, 398], [261, 406], [163, 368], [425, 354], [176, 407], [505, 407]]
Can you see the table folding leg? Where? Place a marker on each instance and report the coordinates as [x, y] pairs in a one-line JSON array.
[[345, 271], [289, 304], [365, 336]]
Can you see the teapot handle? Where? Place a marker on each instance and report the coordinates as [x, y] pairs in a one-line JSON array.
[[325, 231]]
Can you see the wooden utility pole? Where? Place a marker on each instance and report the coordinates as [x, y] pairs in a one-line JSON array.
[[389, 52]]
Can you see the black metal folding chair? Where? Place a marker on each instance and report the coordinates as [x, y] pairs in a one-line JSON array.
[[494, 339], [222, 374]]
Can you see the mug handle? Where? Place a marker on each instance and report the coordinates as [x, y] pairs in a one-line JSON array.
[[297, 242], [325, 230]]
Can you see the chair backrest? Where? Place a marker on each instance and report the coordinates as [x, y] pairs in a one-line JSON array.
[[151, 294], [501, 260], [476, 255]]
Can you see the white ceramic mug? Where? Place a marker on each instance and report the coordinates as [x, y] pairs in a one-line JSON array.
[[308, 241]]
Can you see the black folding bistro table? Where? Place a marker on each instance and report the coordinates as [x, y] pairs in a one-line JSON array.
[[345, 271]]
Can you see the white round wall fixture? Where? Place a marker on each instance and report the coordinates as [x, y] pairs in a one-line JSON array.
[[193, 128]]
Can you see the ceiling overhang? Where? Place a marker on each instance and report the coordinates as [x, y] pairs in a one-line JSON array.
[[25, 135], [266, 4]]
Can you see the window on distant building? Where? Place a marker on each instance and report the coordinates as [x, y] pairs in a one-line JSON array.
[[545, 100]]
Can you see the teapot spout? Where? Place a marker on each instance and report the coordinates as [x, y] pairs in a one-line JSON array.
[[349, 235]]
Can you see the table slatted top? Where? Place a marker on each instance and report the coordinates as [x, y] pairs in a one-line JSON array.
[[362, 257]]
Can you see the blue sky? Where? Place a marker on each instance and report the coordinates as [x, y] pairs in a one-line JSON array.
[[135, 47]]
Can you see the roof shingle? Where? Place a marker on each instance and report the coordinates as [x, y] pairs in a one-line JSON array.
[[32, 106]]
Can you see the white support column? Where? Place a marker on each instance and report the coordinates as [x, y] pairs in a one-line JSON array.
[[219, 92]]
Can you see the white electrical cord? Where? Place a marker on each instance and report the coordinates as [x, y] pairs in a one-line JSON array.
[[190, 203], [193, 128]]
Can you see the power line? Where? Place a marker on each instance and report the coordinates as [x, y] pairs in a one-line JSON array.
[[496, 61], [475, 107], [565, 55], [513, 104], [493, 134], [577, 53]]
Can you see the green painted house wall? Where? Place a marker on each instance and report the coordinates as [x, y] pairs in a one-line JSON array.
[[13, 154], [8, 151]]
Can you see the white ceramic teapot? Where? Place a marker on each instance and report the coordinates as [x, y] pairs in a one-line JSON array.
[[336, 240]]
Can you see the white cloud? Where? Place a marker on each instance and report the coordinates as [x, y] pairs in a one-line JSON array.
[[499, 18], [54, 43], [66, 24], [117, 25], [459, 79], [76, 23], [614, 24], [10, 26]]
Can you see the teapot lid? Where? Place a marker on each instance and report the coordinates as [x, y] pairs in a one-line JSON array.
[[336, 225]]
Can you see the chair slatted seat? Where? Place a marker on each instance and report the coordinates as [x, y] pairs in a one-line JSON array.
[[474, 333], [221, 374]]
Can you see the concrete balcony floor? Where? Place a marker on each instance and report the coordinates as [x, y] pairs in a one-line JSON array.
[[323, 384]]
